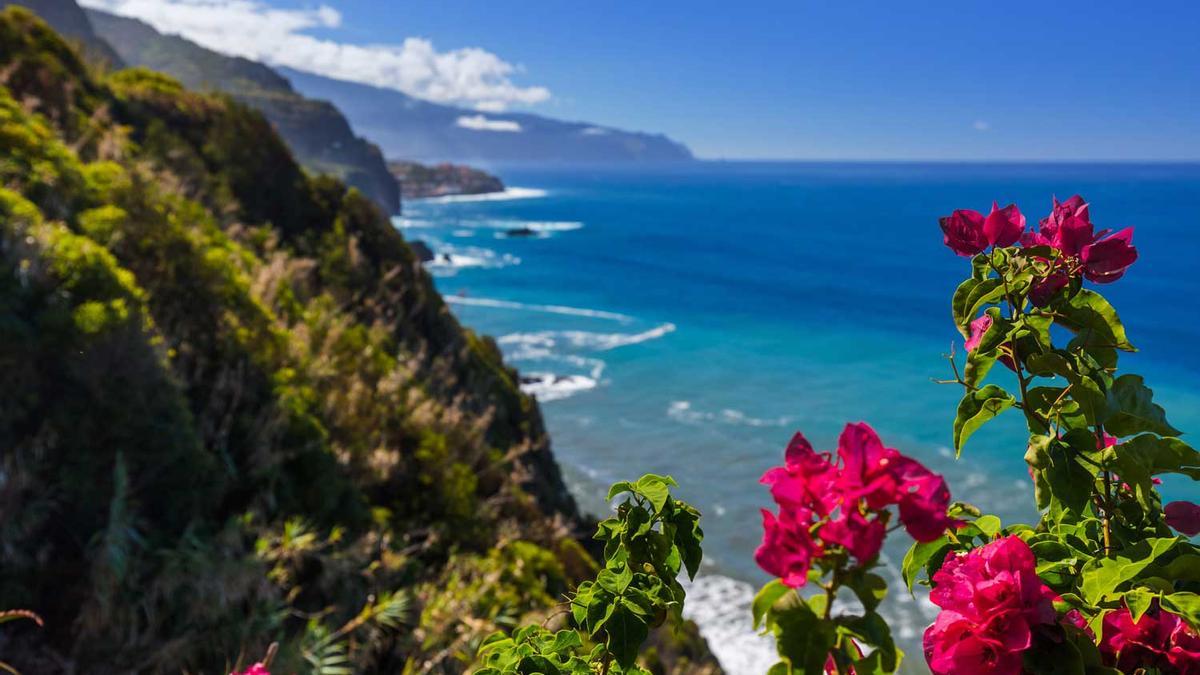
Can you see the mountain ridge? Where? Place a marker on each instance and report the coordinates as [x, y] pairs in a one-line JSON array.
[[317, 132], [406, 127]]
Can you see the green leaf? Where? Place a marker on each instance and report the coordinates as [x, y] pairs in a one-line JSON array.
[[626, 633], [1162, 455], [1084, 391], [1094, 321], [870, 588], [1102, 576], [1184, 568], [1138, 601], [989, 524], [1054, 658], [1069, 481], [1131, 409], [618, 488], [615, 579], [976, 408], [872, 630], [802, 638], [971, 296], [919, 555], [766, 598], [1051, 404], [654, 489], [1186, 605], [688, 537]]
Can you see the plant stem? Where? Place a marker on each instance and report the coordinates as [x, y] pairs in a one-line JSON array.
[[1107, 496], [830, 594]]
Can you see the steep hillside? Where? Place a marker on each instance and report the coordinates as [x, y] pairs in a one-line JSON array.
[[315, 131], [69, 19], [409, 128], [233, 408]]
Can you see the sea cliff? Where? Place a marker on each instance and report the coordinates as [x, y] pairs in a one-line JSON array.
[[440, 180], [234, 411]]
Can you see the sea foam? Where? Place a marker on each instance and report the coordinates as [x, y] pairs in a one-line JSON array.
[[507, 194], [551, 387], [580, 339], [682, 411], [549, 309]]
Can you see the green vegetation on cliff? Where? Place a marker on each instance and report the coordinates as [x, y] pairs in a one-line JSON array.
[[315, 131], [233, 408]]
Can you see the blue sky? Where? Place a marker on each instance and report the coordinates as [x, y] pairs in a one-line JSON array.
[[807, 80]]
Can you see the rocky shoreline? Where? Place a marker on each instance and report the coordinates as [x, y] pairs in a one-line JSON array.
[[419, 181]]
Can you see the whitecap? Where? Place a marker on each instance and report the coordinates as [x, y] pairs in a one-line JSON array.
[[579, 339], [463, 233], [682, 411], [550, 387], [550, 309], [447, 260], [505, 195], [408, 223]]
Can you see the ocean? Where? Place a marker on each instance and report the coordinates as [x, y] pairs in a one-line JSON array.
[[688, 319]]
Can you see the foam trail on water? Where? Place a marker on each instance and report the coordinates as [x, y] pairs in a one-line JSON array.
[[550, 309], [507, 194], [580, 339]]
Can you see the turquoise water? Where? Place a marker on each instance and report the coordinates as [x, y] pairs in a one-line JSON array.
[[688, 320]]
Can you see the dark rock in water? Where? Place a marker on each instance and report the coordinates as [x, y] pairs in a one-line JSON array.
[[520, 232], [421, 249]]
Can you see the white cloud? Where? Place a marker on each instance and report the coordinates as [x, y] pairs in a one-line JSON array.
[[250, 28], [981, 125], [481, 123], [594, 131]]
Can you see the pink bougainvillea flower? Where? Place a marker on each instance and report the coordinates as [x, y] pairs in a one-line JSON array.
[[954, 645], [963, 232], [1067, 228], [1043, 290], [256, 669], [1184, 517], [867, 467], [1106, 259], [1004, 226], [861, 537], [824, 504], [1184, 652], [1158, 639], [978, 328], [787, 548], [805, 480], [923, 501], [993, 597]]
